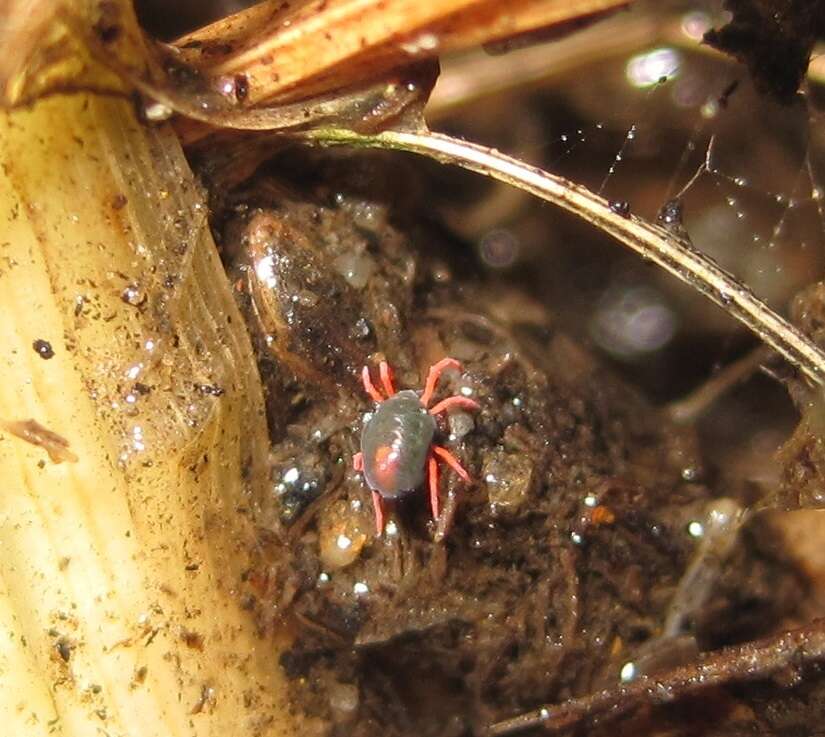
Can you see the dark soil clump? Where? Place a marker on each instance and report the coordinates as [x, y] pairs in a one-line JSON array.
[[541, 579]]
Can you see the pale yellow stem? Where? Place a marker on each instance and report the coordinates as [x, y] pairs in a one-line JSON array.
[[121, 573]]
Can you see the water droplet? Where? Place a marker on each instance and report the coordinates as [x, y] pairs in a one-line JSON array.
[[628, 672], [133, 295], [620, 207], [670, 214], [696, 529], [690, 473], [156, 112]]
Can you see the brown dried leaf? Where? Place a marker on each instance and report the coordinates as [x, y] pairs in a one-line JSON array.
[[289, 52], [98, 46], [359, 64]]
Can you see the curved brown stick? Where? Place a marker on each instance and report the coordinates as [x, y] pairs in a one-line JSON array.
[[433, 376], [652, 242], [749, 662], [369, 387]]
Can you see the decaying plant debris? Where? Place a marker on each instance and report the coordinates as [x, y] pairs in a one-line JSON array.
[[565, 587]]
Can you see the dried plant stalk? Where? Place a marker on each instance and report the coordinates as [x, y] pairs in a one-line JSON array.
[[121, 567], [652, 242], [787, 652]]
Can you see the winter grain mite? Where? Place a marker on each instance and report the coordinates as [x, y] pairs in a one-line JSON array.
[[397, 450]]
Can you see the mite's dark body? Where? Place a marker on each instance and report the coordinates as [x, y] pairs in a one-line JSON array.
[[397, 450], [395, 443]]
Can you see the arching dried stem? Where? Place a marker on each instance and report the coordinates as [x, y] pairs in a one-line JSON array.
[[650, 241]]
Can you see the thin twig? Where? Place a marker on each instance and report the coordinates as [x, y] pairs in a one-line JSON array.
[[750, 662], [648, 240]]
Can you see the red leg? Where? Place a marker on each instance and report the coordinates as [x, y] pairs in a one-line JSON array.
[[456, 401], [358, 461], [433, 376], [432, 477], [368, 385], [451, 461], [379, 513], [386, 378]]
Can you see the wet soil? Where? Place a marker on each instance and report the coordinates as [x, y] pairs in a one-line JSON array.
[[546, 574]]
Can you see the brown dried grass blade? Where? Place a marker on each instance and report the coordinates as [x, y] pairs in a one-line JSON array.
[[294, 52]]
